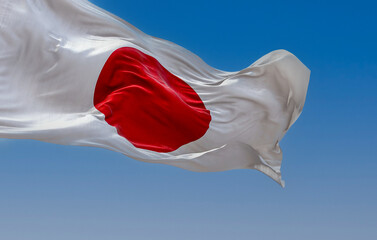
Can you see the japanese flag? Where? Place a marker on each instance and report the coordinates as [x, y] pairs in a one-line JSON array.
[[71, 73]]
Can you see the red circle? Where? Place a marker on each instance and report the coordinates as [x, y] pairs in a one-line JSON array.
[[149, 106]]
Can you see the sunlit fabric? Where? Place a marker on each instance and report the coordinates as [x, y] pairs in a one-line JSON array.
[[71, 73]]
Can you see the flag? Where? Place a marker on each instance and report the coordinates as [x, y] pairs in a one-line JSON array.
[[72, 73]]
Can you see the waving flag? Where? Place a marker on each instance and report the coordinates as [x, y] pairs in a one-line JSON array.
[[71, 73]]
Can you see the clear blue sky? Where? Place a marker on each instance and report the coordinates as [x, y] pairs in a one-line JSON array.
[[52, 192]]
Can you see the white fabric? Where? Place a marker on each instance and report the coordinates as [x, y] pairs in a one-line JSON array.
[[51, 54]]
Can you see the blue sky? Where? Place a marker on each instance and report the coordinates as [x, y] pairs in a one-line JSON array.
[[330, 155]]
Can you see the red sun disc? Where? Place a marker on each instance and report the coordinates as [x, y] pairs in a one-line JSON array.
[[150, 107]]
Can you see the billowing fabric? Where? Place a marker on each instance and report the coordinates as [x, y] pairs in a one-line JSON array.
[[71, 73]]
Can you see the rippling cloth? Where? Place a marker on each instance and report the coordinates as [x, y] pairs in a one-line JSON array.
[[71, 73]]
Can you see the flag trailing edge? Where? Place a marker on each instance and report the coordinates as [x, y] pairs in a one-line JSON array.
[[72, 73]]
